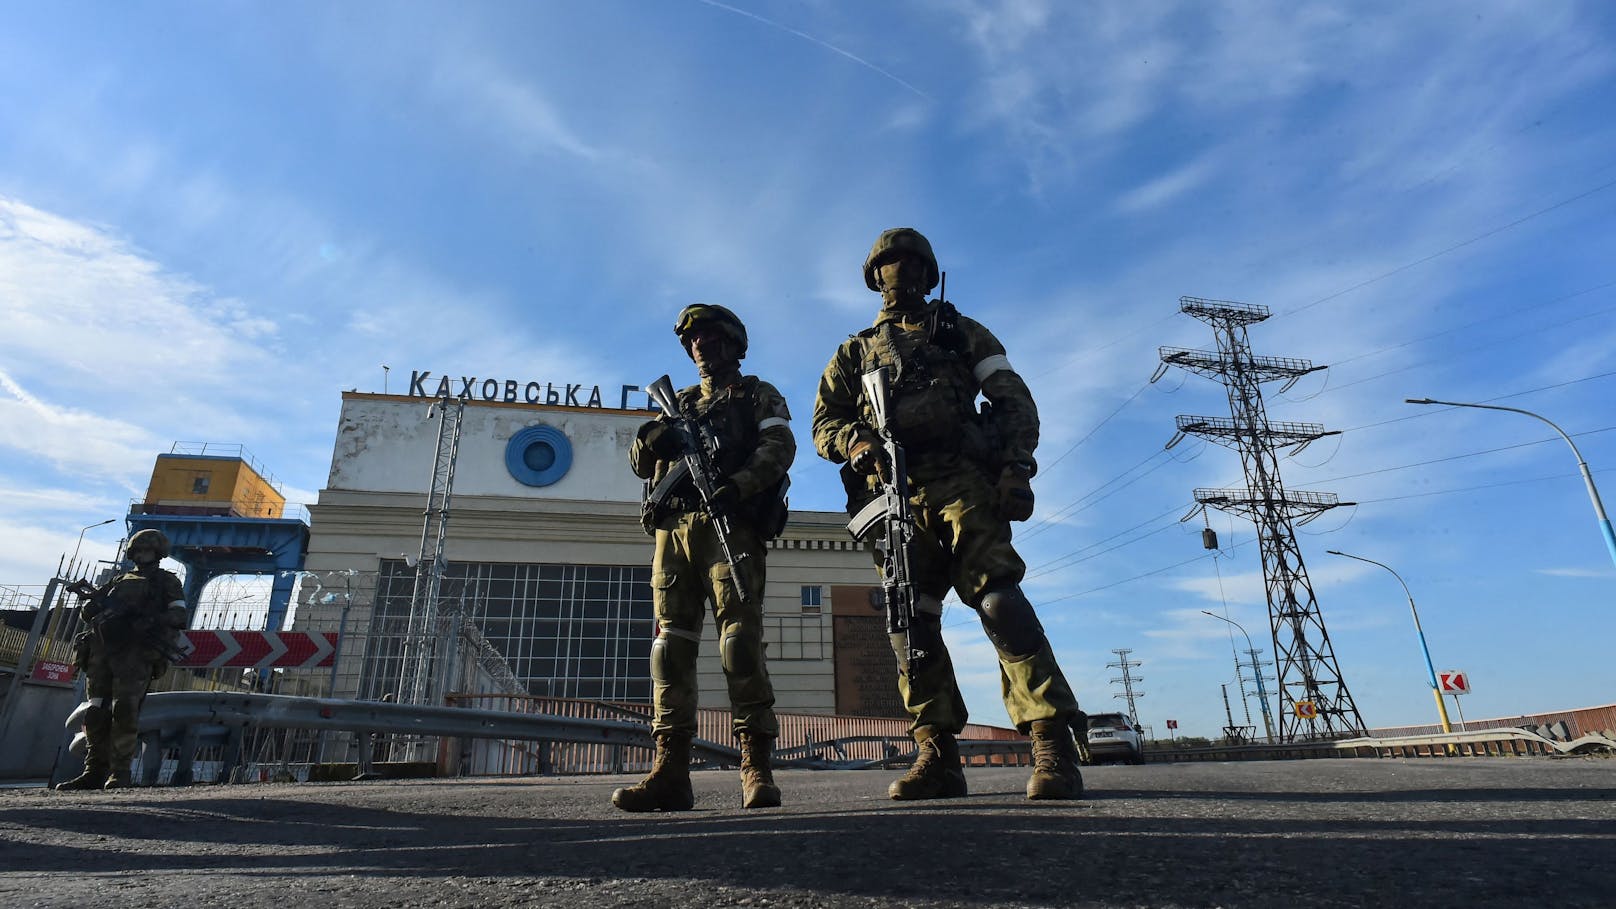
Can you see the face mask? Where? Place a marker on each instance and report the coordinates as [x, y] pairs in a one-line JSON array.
[[902, 280]]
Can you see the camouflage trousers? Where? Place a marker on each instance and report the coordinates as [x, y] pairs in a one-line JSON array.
[[115, 681], [962, 543], [687, 572]]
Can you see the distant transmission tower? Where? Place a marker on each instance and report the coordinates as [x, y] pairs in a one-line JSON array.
[[418, 670], [1311, 690], [1127, 679]]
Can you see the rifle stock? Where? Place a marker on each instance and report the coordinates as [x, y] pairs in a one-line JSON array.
[[699, 446]]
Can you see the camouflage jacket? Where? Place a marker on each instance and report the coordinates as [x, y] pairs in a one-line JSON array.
[[750, 418], [939, 362], [137, 601]]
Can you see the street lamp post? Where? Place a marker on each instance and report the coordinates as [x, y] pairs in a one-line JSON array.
[[81, 538], [1262, 690], [1587, 477], [1436, 691]]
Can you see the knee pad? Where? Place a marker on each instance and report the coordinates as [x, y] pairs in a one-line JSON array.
[[673, 652], [741, 653], [1010, 622]]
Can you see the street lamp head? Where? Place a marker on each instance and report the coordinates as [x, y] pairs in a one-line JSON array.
[[1335, 552], [1418, 401]]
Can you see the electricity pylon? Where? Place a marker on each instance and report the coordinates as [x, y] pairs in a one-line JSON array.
[[1313, 695], [1127, 679]]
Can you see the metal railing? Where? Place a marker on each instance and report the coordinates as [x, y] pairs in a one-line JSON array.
[[1505, 742], [235, 737]]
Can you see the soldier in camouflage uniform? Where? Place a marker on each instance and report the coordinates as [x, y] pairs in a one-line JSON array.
[[755, 450], [969, 476], [119, 656]]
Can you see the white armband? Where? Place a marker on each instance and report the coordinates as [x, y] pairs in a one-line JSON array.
[[991, 365], [772, 422]]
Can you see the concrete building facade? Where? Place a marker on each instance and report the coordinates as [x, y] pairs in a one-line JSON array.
[[547, 567]]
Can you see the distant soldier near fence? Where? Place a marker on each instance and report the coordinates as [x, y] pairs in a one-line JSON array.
[[897, 406], [129, 625], [715, 467]]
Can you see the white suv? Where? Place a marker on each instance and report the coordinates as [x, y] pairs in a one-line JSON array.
[[1114, 737]]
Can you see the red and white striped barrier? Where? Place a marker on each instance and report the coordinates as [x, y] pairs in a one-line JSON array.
[[258, 649]]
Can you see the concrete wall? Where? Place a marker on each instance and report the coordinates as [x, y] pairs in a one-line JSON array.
[[386, 443], [32, 730]]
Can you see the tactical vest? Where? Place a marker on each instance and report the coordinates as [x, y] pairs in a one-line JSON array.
[[732, 417], [933, 386], [132, 599]]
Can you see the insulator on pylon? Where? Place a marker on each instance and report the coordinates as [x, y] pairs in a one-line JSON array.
[[1209, 538]]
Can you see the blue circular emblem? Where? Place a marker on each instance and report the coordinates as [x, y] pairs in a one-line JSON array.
[[538, 455]]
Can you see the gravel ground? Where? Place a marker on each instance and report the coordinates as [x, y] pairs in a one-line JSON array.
[[1522, 831]]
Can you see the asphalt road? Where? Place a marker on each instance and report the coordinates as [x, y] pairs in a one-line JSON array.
[[1482, 831]]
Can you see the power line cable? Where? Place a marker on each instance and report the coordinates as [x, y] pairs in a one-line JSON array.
[[1040, 569], [1516, 394], [1097, 426], [1455, 247], [1080, 505], [1502, 483], [1485, 319], [1511, 339], [1457, 457]]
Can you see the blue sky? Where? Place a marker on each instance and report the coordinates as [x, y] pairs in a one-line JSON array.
[[216, 217]]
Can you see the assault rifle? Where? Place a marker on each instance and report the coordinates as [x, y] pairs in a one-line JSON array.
[[155, 636], [700, 444], [890, 511]]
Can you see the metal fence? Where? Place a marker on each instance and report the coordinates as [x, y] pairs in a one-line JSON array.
[[812, 736]]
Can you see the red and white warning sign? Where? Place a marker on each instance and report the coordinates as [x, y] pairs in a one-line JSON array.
[[52, 671], [1452, 681], [257, 649], [1306, 710]]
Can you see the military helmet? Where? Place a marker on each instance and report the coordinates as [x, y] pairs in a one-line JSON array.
[[156, 539], [904, 239], [715, 316]]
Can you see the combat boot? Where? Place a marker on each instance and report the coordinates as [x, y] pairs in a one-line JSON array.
[[1054, 762], [667, 788], [936, 772], [116, 780], [91, 778], [757, 775]]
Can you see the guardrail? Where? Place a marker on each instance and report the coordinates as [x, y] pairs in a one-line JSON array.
[[193, 720], [1512, 742]]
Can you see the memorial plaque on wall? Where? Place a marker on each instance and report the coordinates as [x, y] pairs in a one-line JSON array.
[[866, 673]]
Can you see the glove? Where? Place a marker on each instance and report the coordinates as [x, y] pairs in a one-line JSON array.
[[725, 498], [866, 456], [1015, 499], [664, 442]]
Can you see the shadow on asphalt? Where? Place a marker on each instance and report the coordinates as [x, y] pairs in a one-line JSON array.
[[1408, 796], [959, 853]]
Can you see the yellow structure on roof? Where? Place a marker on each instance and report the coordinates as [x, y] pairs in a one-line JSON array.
[[211, 485]]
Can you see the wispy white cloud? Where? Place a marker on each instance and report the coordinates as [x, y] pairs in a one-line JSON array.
[[511, 108], [824, 44], [1573, 572], [1166, 188]]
